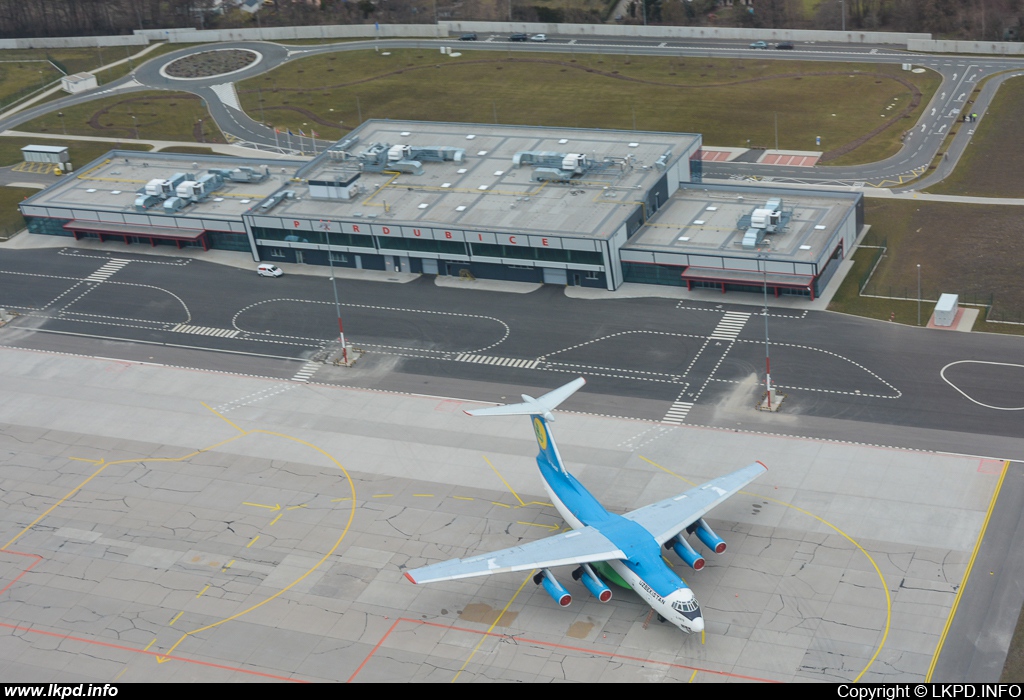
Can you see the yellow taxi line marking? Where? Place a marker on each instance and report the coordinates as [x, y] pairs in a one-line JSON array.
[[546, 527], [881, 577], [462, 498], [205, 588], [967, 573], [294, 507], [176, 618], [252, 541], [511, 490], [494, 624]]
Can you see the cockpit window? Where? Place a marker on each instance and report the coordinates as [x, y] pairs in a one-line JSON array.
[[684, 607]]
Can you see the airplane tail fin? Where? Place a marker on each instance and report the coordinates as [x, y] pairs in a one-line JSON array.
[[542, 406], [541, 410]]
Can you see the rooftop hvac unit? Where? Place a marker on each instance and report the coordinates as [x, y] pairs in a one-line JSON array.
[[145, 201], [753, 237], [399, 152], [174, 204], [188, 189]]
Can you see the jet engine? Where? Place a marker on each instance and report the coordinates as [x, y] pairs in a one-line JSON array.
[[685, 552], [553, 587], [706, 535], [592, 582]]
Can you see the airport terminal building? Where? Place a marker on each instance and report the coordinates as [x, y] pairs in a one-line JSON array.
[[581, 207]]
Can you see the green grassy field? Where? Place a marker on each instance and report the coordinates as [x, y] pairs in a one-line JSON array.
[[971, 250], [202, 150], [990, 167], [11, 220], [20, 78], [19, 70], [81, 152], [731, 102], [159, 115]]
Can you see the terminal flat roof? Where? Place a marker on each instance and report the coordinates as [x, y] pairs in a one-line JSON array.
[[704, 219], [485, 191], [111, 183]]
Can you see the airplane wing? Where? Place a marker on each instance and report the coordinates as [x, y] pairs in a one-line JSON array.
[[576, 547], [666, 519]]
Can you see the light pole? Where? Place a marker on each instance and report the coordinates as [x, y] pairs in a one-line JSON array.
[[62, 127], [842, 9], [767, 354], [325, 226], [135, 123], [919, 294], [202, 136]]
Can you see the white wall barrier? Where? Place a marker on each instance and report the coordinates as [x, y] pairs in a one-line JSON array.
[[444, 30], [997, 48], [74, 42]]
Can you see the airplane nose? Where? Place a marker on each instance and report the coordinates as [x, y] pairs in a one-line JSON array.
[[697, 624]]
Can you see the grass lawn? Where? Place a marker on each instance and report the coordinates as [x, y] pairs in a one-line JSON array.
[[971, 250], [204, 150], [81, 152], [21, 78], [160, 115], [19, 73], [991, 165], [729, 101], [11, 220]]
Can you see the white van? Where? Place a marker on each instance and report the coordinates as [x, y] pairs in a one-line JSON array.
[[268, 270]]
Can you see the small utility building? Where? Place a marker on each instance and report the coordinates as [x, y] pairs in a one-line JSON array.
[[57, 155], [79, 82]]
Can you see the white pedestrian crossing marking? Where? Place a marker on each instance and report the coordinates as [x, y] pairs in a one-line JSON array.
[[730, 326], [677, 412], [204, 330], [307, 372], [499, 361], [109, 268]]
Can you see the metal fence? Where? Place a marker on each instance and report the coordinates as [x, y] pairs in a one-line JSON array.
[[983, 300]]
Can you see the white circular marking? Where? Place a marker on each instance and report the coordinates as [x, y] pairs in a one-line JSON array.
[[257, 54], [942, 373]]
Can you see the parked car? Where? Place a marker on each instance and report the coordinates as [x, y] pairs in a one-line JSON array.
[[539, 37], [268, 270], [759, 45], [785, 45], [468, 37], [518, 37]]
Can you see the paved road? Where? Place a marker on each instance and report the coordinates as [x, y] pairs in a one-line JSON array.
[[960, 75], [676, 361]]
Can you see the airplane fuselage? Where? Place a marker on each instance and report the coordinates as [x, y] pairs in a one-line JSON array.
[[643, 568]]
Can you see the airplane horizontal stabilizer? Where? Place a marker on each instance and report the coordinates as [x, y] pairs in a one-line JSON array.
[[530, 406]]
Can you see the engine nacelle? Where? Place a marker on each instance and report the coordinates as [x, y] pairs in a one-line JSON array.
[[706, 535], [595, 585], [687, 553], [553, 587]]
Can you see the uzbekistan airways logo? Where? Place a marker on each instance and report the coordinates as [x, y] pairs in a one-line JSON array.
[[542, 435]]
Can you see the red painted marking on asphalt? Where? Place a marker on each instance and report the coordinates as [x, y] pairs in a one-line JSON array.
[[582, 650]]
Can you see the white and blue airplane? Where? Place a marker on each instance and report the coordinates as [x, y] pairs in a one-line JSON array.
[[625, 548]]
